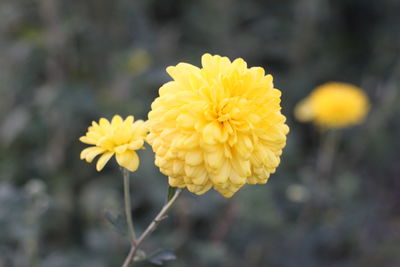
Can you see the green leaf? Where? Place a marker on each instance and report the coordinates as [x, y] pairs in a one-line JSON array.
[[171, 192], [160, 257], [118, 222]]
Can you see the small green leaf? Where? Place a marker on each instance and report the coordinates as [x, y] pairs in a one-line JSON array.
[[171, 192], [160, 257], [118, 222]]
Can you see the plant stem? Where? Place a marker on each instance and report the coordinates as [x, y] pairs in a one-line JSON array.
[[327, 152], [128, 209], [152, 226]]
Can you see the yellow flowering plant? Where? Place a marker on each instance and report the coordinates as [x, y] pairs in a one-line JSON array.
[[334, 105], [219, 126], [120, 137]]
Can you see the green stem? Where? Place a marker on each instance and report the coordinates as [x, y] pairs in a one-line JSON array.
[[128, 209], [152, 226], [326, 155]]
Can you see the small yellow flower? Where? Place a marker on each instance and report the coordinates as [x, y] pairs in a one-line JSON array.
[[334, 105], [120, 137], [217, 126]]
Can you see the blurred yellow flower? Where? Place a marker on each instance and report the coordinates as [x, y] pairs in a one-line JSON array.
[[120, 137], [334, 105], [139, 60], [217, 126]]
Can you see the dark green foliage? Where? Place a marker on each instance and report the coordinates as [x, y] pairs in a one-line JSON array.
[[66, 63]]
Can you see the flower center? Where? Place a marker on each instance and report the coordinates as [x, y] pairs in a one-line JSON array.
[[223, 110]]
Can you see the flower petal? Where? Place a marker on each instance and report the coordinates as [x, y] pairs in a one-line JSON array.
[[121, 149], [137, 144], [87, 140], [194, 157], [129, 120], [104, 122], [182, 72], [116, 120], [91, 152], [103, 160], [129, 159], [211, 133]]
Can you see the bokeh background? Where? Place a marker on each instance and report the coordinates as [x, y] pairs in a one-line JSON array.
[[64, 63]]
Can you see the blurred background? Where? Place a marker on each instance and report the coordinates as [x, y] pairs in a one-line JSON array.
[[64, 63]]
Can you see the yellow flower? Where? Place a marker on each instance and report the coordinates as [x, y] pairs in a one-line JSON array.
[[334, 105], [139, 60], [217, 126], [120, 137]]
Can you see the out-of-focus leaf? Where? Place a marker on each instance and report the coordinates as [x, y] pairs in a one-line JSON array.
[[13, 124], [160, 257], [118, 222]]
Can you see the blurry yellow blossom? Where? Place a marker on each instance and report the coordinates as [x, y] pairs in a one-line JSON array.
[[139, 60], [334, 105], [120, 137], [217, 126]]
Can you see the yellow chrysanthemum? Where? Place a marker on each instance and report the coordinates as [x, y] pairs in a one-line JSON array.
[[217, 126], [334, 105], [120, 137]]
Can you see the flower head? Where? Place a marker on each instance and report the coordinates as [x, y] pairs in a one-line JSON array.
[[334, 105], [217, 126], [120, 137]]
